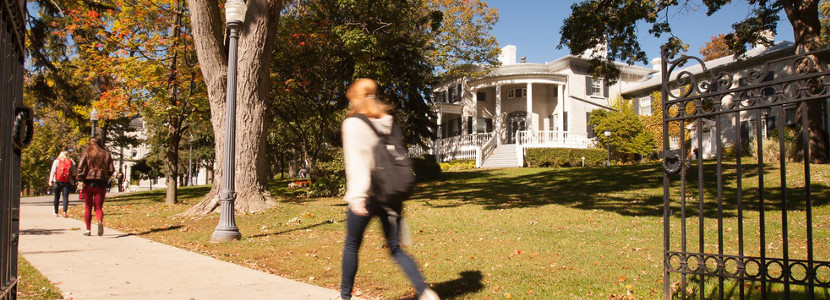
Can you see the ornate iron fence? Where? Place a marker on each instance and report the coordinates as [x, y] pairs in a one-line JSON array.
[[16, 133], [754, 227]]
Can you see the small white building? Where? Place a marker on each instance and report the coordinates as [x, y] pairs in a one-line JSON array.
[[133, 154], [521, 105]]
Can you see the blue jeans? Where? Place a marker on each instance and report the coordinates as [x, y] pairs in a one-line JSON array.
[[355, 226], [61, 187]]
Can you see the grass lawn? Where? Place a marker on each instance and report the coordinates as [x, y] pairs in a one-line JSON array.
[[32, 285], [578, 233]]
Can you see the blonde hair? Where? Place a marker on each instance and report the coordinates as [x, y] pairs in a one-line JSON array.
[[63, 155], [362, 95]]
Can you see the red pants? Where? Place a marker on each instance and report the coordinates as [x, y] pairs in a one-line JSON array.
[[93, 196]]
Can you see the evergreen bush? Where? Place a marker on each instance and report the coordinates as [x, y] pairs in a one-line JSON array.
[[426, 168]]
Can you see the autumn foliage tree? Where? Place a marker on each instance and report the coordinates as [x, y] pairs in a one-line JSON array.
[[716, 47]]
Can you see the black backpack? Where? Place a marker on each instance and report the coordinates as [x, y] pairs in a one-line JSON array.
[[392, 177]]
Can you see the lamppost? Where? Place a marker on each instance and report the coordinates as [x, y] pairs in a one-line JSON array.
[[93, 116], [227, 230], [608, 144]]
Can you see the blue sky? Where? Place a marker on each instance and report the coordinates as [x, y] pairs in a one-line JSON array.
[[533, 27]]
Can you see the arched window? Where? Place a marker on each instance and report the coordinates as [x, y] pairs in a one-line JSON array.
[[517, 93]]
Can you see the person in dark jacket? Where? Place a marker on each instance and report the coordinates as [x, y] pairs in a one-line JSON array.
[[94, 171]]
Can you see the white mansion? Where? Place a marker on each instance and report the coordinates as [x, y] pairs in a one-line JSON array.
[[495, 118], [522, 105]]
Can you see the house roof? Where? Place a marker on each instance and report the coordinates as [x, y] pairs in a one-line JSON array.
[[626, 68], [751, 55]]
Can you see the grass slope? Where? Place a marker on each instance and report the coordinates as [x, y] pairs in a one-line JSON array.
[[32, 285], [512, 233]]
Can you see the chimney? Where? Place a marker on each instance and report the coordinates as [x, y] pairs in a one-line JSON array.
[[600, 50], [766, 34], [508, 55], [656, 64]]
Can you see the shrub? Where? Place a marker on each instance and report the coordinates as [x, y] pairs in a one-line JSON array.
[[329, 176], [458, 165], [426, 168], [564, 157]]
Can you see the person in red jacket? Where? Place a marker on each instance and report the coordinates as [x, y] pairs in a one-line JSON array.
[[94, 170]]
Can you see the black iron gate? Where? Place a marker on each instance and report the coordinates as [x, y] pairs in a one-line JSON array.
[[742, 228], [15, 134]]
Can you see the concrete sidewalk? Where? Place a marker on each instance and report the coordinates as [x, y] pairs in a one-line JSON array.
[[118, 266]]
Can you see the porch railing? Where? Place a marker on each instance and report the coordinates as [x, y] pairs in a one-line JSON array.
[[460, 147], [485, 151], [564, 139]]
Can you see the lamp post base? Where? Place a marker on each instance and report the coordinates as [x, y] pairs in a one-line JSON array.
[[226, 230], [225, 235]]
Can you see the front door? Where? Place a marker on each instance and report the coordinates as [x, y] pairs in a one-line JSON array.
[[516, 121]]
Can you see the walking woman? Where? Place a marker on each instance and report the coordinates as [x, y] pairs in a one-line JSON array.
[[60, 179], [359, 141], [94, 170]]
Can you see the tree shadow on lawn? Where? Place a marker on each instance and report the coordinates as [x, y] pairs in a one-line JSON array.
[[156, 196], [154, 230], [626, 190], [298, 228]]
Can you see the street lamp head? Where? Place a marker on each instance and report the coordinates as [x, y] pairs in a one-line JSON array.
[[608, 133], [93, 115], [235, 12]]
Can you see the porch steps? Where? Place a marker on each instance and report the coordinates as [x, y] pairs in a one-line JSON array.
[[504, 156]]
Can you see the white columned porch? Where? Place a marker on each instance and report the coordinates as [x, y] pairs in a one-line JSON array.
[[530, 126], [562, 94], [475, 110], [440, 126], [498, 115]]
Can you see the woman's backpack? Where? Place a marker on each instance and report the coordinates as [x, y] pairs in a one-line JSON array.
[[392, 177], [64, 171]]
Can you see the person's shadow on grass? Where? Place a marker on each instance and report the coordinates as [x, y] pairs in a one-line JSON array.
[[469, 282]]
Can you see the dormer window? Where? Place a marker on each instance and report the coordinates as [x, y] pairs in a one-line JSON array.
[[517, 93]]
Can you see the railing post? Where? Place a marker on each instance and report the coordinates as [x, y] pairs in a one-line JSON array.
[[520, 155], [478, 157]]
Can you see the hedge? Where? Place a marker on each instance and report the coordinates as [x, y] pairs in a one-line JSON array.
[[458, 165], [564, 157]]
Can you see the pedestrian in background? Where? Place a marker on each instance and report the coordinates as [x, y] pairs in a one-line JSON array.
[[366, 120], [60, 179], [120, 178], [94, 170]]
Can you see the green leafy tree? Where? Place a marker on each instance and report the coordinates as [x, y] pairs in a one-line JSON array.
[[628, 135], [614, 23]]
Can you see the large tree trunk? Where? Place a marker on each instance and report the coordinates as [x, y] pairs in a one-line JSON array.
[[256, 41], [172, 167], [173, 121], [803, 16]]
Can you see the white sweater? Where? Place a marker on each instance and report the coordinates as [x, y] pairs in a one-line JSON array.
[[359, 142], [52, 172]]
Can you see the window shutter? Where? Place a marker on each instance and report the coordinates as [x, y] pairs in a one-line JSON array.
[[565, 121], [588, 125], [589, 87], [469, 125], [605, 88], [458, 92]]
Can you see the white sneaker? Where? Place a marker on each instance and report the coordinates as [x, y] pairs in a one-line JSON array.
[[429, 294]]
